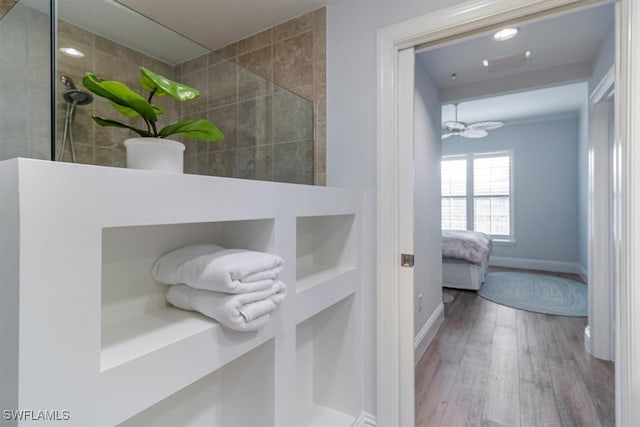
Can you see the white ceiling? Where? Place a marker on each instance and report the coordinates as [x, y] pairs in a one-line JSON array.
[[216, 23], [558, 45], [567, 39], [125, 26], [175, 31], [523, 106]]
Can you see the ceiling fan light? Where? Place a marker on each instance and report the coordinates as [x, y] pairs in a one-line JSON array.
[[474, 133], [454, 125], [505, 34], [486, 125]]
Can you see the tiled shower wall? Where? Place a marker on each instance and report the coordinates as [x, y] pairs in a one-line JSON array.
[[25, 116], [293, 56], [268, 130], [94, 144]]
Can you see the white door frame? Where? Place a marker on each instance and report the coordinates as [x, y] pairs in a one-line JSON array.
[[599, 333], [450, 23]]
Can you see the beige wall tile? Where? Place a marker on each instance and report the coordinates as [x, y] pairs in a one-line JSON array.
[[222, 163], [293, 61], [259, 61], [255, 122], [256, 41], [229, 51], [196, 64], [293, 27], [304, 91], [198, 80], [226, 118], [223, 85]]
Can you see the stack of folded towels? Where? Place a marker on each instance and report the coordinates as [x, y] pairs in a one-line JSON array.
[[236, 287]]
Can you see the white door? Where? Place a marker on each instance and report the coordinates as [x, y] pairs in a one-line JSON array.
[[600, 333], [406, 60]]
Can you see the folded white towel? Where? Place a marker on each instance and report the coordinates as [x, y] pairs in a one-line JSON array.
[[214, 268], [242, 312]]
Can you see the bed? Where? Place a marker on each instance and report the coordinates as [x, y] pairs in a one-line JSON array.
[[465, 257]]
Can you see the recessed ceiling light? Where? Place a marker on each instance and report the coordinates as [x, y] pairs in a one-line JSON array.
[[505, 34], [485, 62], [73, 52]]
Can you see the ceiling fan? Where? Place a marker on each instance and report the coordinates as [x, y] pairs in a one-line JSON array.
[[471, 130]]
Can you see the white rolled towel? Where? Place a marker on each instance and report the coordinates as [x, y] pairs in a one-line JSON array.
[[214, 268], [242, 312]]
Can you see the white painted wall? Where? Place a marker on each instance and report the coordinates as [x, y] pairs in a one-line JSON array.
[[601, 64], [545, 167], [427, 224], [351, 123], [583, 189]]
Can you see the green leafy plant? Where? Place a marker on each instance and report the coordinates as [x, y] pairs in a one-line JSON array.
[[131, 104]]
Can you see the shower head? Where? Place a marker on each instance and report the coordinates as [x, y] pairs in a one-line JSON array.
[[68, 82], [78, 97]]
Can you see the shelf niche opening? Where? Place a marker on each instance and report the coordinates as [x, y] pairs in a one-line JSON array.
[[327, 367], [240, 393], [325, 248], [136, 320]]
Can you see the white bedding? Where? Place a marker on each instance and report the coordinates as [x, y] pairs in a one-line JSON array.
[[465, 257], [462, 274], [470, 246]]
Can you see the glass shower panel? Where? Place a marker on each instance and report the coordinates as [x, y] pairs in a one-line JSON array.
[[25, 69], [268, 129]]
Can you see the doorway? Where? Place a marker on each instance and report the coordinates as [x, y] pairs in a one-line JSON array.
[[395, 45]]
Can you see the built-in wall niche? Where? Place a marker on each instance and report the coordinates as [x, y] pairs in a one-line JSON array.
[[327, 367], [325, 248], [240, 393], [136, 320]]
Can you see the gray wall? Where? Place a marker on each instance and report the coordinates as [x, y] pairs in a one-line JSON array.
[[351, 124], [546, 186], [427, 225]]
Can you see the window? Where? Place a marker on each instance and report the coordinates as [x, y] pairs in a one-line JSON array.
[[454, 194], [477, 194]]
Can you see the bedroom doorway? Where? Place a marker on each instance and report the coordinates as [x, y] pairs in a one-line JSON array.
[[395, 43], [491, 184]]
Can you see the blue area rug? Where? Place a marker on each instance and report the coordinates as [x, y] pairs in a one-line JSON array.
[[536, 292]]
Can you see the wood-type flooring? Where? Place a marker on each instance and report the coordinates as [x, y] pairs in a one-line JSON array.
[[491, 365]]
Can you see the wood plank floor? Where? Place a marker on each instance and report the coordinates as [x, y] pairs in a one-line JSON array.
[[491, 365]]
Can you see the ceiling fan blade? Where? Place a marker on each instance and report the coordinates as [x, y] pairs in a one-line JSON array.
[[488, 125], [447, 135], [454, 125], [474, 133]]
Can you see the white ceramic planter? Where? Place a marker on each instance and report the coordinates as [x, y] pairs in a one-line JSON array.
[[156, 154]]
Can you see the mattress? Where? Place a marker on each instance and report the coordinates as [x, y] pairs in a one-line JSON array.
[[461, 274]]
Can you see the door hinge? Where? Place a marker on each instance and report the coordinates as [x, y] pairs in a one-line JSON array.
[[406, 260]]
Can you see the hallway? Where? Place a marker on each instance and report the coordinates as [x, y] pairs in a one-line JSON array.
[[492, 365]]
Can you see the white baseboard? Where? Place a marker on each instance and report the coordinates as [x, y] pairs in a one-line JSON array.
[[587, 339], [536, 264], [428, 331], [583, 273], [365, 420]]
